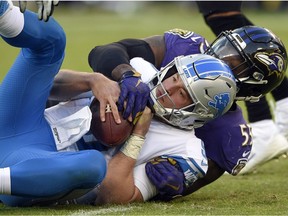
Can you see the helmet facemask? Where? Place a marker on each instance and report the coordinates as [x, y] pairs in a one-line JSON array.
[[172, 115]]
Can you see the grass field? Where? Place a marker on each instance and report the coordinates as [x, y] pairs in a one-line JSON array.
[[262, 193]]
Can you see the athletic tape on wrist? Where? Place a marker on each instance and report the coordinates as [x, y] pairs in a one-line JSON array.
[[132, 146]]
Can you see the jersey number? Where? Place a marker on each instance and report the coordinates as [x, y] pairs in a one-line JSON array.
[[246, 133]]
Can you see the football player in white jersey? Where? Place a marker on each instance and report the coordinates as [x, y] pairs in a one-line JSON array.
[[177, 106]]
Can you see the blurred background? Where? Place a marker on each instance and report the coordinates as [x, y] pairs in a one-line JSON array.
[[91, 23]]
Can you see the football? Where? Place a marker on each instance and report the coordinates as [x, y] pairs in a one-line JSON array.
[[109, 132]]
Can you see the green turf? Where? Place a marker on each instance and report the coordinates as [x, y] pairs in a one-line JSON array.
[[263, 193]]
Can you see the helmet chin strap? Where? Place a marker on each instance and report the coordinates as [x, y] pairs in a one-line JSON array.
[[252, 99], [249, 81]]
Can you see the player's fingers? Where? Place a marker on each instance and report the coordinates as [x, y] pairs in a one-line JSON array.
[[153, 173], [137, 110], [115, 112], [143, 124], [47, 8], [122, 97], [103, 106], [136, 118], [40, 9], [22, 5], [129, 106], [169, 167], [55, 2], [130, 118]]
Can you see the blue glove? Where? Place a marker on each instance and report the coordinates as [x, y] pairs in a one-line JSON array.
[[135, 93], [167, 177]]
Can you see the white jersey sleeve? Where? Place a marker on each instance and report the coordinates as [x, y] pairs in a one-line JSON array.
[[142, 182]]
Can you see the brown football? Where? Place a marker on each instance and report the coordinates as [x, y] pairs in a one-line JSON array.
[[109, 132]]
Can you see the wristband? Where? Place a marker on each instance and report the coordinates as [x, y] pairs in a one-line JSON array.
[[130, 73], [132, 146]]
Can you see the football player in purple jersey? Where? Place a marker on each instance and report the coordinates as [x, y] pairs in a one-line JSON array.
[[269, 137], [228, 139]]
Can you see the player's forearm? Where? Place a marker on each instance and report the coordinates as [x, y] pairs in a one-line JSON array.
[[213, 173], [118, 185], [68, 84], [106, 58], [113, 59]]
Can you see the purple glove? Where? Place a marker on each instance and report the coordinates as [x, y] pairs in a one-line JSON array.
[[165, 174], [135, 93]]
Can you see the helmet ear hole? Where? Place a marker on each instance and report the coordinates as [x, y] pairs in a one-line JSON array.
[[228, 85], [207, 93]]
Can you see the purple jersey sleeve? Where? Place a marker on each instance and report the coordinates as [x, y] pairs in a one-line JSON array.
[[227, 141], [182, 42]]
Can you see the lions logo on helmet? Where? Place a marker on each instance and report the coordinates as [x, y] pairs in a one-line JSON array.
[[220, 102]]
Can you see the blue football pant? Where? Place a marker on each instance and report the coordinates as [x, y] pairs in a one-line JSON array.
[[27, 145]]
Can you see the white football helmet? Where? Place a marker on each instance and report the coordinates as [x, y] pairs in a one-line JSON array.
[[210, 84]]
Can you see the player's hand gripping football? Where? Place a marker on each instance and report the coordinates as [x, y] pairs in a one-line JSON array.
[[107, 92], [167, 177], [45, 8], [135, 93]]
